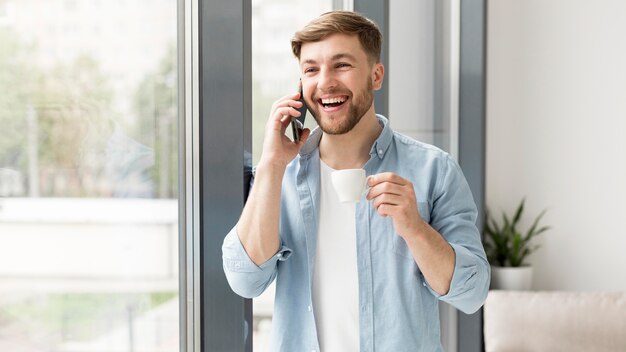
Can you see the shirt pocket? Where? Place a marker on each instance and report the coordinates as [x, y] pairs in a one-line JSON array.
[[398, 244]]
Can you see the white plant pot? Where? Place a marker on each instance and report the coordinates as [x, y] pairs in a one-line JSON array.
[[508, 278]]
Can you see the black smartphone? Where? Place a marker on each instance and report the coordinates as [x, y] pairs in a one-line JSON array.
[[297, 123]]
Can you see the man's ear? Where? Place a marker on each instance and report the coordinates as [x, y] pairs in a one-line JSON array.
[[378, 73]]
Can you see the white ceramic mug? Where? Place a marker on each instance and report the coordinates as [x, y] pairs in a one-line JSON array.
[[350, 184]]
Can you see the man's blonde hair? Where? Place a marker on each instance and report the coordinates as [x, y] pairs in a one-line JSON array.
[[345, 22]]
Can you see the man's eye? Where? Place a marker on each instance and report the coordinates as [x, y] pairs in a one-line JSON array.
[[309, 70], [343, 65]]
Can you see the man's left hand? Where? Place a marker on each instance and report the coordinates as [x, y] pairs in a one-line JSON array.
[[394, 196]]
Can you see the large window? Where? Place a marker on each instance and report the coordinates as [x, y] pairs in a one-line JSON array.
[[88, 176]]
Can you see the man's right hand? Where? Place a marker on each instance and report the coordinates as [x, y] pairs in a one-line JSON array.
[[258, 227], [278, 149]]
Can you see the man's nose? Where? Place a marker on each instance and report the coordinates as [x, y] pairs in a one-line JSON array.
[[326, 80]]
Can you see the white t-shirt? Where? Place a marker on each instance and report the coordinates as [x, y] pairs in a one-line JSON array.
[[335, 277]]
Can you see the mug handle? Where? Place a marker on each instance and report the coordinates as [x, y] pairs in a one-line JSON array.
[[366, 187]]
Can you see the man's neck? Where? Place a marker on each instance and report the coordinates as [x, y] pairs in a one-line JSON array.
[[351, 150]]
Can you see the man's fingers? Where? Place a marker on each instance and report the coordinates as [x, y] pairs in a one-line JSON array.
[[304, 135], [386, 177], [291, 96], [287, 101], [386, 210], [386, 188], [287, 111], [386, 198], [281, 119]]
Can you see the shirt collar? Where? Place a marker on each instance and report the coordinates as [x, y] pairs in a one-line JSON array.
[[379, 148]]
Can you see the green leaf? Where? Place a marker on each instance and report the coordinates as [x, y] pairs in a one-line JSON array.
[[505, 244], [518, 213], [531, 232]]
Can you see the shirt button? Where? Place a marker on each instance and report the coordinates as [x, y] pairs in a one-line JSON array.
[[424, 283], [309, 308], [279, 255], [380, 152]]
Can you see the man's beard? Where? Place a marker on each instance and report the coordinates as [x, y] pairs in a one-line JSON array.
[[360, 103]]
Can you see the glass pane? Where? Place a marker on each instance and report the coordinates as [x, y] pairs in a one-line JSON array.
[[88, 176], [275, 73], [425, 71]]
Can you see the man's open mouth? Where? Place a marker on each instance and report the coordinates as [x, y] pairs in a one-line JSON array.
[[332, 102]]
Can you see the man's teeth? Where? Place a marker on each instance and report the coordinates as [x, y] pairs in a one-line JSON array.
[[334, 100]]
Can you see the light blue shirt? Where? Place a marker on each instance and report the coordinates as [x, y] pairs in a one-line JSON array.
[[398, 310]]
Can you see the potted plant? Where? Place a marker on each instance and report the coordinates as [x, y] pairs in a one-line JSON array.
[[507, 247]]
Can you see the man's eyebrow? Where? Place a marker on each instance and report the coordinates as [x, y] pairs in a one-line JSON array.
[[343, 56], [308, 61], [335, 57]]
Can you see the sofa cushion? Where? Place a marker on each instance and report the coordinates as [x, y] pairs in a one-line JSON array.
[[555, 321]]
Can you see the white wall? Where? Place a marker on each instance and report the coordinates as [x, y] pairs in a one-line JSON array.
[[556, 133]]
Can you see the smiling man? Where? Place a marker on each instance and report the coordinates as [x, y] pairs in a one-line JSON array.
[[364, 276]]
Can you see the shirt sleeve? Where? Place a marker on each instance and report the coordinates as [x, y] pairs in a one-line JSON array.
[[245, 277], [454, 216]]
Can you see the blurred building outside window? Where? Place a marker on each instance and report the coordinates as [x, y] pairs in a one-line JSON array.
[[88, 176]]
